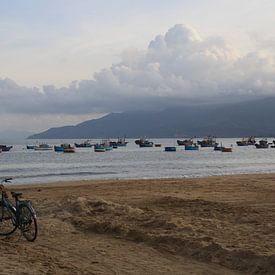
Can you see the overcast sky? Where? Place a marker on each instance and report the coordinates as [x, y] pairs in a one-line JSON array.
[[64, 61]]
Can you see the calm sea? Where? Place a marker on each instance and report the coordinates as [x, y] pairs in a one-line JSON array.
[[131, 162]]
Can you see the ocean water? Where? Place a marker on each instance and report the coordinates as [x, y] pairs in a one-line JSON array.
[[131, 162]]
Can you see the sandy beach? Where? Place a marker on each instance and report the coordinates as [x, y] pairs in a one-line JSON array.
[[214, 225]]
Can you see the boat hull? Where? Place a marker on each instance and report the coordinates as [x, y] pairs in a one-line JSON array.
[[170, 149]]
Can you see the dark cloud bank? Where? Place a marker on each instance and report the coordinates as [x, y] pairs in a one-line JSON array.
[[177, 68]]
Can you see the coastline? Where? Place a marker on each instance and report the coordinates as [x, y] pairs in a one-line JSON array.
[[209, 225]]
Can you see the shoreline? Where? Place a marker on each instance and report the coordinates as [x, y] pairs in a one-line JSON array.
[[212, 225], [139, 179], [83, 181]]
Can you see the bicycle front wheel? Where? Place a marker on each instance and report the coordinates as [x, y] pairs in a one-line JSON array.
[[27, 222], [7, 225]]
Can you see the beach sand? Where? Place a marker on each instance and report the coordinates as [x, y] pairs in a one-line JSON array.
[[214, 225]]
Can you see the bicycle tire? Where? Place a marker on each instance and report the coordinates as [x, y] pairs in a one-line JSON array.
[[27, 222], [7, 226]]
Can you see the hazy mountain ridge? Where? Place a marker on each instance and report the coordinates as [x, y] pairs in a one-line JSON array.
[[223, 120]]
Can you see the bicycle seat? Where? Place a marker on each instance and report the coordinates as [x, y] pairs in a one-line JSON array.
[[16, 194]]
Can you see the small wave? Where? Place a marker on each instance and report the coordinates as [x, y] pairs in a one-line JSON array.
[[65, 174]]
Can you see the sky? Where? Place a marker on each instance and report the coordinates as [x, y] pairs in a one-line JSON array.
[[65, 61]]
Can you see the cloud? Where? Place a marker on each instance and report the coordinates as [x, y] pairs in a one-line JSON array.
[[178, 67]]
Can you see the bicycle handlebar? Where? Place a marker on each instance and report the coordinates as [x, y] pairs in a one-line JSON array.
[[6, 180]]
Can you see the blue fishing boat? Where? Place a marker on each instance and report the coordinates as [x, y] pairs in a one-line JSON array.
[[170, 149], [30, 147], [191, 147], [58, 148], [99, 148]]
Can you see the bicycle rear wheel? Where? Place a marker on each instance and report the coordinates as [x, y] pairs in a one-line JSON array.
[[7, 226], [27, 222]]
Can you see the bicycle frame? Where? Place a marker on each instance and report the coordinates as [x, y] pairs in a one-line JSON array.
[[11, 208]]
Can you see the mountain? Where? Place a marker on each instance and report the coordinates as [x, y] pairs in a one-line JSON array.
[[255, 118]]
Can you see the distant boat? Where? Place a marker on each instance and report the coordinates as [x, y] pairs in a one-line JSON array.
[[218, 148], [208, 142], [5, 148], [85, 144], [157, 145], [58, 148], [121, 142], [146, 143], [143, 142], [30, 147], [65, 148], [227, 149], [69, 149], [185, 142], [246, 141], [106, 144], [263, 144], [170, 149], [191, 147], [43, 147], [99, 148]]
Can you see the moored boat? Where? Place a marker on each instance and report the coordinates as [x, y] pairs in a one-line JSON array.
[[5, 148], [227, 149], [246, 141], [84, 144], [145, 143], [99, 148], [191, 147], [185, 142], [121, 142], [208, 142], [30, 147], [263, 144], [43, 147], [58, 148], [157, 145], [170, 149], [218, 147]]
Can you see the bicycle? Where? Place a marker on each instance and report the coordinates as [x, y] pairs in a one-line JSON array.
[[20, 214]]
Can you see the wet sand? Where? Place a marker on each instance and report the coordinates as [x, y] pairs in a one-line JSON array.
[[214, 225]]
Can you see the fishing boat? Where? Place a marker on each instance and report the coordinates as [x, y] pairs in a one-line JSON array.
[[157, 145], [208, 142], [106, 144], [30, 147], [170, 149], [68, 149], [85, 144], [5, 148], [226, 149], [99, 148], [58, 148], [185, 142], [191, 147], [263, 144], [43, 147], [121, 142], [145, 143], [246, 141], [218, 147]]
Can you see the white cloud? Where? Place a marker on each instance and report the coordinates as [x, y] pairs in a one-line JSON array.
[[177, 67]]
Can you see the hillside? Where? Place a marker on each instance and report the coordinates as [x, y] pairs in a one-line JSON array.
[[224, 120]]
